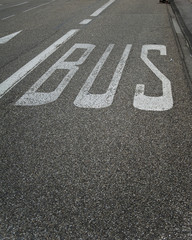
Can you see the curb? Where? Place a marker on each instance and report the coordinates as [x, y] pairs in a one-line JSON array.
[[183, 44], [185, 30]]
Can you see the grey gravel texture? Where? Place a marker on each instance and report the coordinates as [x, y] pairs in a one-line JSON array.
[[114, 173]]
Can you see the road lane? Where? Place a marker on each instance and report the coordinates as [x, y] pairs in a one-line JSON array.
[[15, 5], [119, 172], [19, 8], [41, 23]]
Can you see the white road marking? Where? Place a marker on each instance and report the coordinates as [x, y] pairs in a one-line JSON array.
[[16, 5], [19, 4], [8, 17], [10, 82], [148, 103], [86, 100], [32, 97], [38, 6], [7, 38], [86, 21], [100, 10]]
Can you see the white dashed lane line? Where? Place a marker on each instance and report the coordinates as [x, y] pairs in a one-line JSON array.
[[98, 11], [86, 21], [101, 9], [8, 17], [16, 5], [12, 6], [30, 9]]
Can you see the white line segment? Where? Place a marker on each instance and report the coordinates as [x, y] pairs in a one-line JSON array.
[[16, 5], [86, 21], [38, 6], [10, 82], [19, 4], [8, 17], [8, 37], [100, 10]]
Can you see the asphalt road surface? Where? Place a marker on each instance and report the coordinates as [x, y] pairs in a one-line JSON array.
[[96, 122]]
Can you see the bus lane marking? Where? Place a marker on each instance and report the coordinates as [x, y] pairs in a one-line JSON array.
[[33, 98], [10, 82], [86, 100], [162, 103]]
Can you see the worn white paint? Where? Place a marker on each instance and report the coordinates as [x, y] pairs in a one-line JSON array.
[[30, 9], [16, 5], [32, 97], [8, 17], [19, 4], [101, 9], [87, 100], [10, 82], [7, 38], [86, 21], [162, 103]]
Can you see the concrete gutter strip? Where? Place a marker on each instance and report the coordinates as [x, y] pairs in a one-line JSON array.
[[183, 11]]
